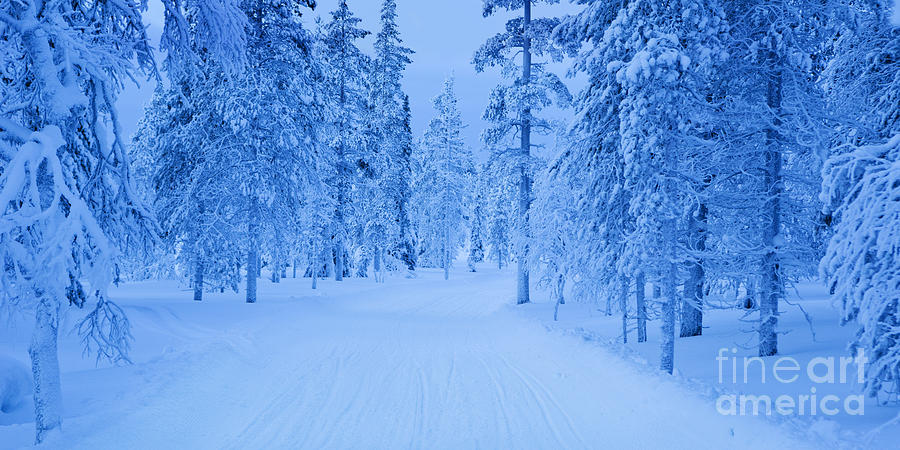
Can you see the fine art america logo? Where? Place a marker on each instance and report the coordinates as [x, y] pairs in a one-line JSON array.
[[818, 371]]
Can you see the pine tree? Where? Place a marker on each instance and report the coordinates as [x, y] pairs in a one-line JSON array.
[[649, 70], [862, 259], [192, 180], [270, 111], [190, 190], [406, 251], [513, 107], [773, 118], [476, 230], [444, 186], [861, 188], [671, 50], [388, 160], [499, 197], [346, 95], [593, 167]]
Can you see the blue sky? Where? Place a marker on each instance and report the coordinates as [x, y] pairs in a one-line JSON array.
[[443, 33]]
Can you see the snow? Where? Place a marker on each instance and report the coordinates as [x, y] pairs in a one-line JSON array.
[[15, 385], [696, 365], [406, 363]]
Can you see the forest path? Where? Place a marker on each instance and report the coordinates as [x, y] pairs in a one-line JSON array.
[[419, 363]]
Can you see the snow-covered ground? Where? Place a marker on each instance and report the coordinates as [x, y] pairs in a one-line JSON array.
[[410, 363], [728, 334]]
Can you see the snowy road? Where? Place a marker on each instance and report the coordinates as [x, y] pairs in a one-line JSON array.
[[408, 364]]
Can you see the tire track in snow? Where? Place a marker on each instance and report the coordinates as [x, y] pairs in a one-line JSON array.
[[269, 424], [440, 367], [416, 438], [538, 390], [499, 395]]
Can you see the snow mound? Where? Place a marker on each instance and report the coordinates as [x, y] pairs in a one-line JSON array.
[[15, 385]]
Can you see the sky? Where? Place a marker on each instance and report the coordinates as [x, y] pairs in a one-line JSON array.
[[443, 33]]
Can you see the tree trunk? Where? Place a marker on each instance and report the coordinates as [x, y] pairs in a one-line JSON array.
[[253, 251], [771, 284], [560, 288], [523, 295], [667, 342], [446, 263], [252, 263], [692, 302], [750, 300], [198, 279], [339, 260], [237, 276], [277, 258], [376, 264], [294, 267], [562, 297], [329, 262], [641, 307], [670, 294], [45, 370], [623, 299]]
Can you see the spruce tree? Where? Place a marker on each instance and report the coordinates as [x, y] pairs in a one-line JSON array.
[[444, 183], [270, 111], [346, 95], [388, 158]]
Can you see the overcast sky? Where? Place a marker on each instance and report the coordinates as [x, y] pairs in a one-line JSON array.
[[443, 33]]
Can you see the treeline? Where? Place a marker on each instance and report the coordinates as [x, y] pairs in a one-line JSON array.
[[301, 157], [720, 153]]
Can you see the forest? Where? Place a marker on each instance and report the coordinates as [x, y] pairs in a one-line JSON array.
[[715, 158]]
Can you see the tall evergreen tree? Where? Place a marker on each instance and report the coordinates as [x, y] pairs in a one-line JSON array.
[[271, 110], [774, 123], [443, 188], [649, 68], [513, 107], [346, 96], [476, 228], [593, 167], [861, 190], [388, 159], [406, 251], [498, 187]]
